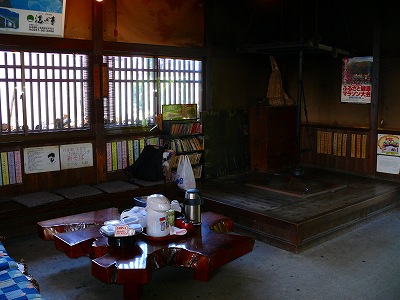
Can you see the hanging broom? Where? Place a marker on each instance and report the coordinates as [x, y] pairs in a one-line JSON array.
[[276, 96]]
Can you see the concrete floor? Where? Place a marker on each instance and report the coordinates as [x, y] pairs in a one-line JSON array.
[[361, 264]]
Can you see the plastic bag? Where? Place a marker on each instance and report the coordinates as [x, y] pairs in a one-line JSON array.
[[184, 174]]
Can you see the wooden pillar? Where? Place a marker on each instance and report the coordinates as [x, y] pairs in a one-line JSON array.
[[373, 131], [98, 103], [207, 70]]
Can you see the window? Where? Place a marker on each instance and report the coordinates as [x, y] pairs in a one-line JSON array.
[[43, 91], [139, 86]]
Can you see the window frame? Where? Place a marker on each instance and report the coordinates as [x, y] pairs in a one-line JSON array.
[[31, 77], [157, 100]]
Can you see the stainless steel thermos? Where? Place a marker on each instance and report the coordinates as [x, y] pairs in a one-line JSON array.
[[192, 203]]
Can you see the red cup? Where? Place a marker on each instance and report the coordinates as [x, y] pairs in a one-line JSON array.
[[187, 225], [179, 223], [184, 224]]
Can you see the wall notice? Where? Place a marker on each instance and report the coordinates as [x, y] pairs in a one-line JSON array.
[[44, 18], [388, 164], [76, 156], [41, 159]]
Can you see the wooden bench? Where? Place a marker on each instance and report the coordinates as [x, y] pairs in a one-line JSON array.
[[17, 219]]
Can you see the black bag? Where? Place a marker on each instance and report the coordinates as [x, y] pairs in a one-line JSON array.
[[148, 166]]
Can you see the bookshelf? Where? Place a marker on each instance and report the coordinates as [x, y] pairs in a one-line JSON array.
[[185, 137]]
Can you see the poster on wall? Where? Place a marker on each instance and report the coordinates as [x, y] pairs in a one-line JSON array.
[[388, 157], [41, 159], [357, 79], [74, 156], [388, 144], [44, 18]]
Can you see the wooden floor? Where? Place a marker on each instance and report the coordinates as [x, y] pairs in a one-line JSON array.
[[298, 212]]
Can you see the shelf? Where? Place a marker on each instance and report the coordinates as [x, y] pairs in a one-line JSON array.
[[185, 137]]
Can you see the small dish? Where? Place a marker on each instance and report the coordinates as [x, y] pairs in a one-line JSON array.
[[120, 241], [108, 230]]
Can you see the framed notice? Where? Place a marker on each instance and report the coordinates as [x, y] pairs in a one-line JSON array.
[[357, 79], [74, 156], [44, 18], [41, 159]]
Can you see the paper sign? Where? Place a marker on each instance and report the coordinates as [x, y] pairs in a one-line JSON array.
[[41, 159], [121, 230], [74, 156], [388, 164]]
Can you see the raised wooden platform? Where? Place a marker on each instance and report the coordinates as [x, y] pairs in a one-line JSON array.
[[297, 212]]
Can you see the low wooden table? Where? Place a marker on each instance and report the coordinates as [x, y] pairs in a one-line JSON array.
[[208, 247]]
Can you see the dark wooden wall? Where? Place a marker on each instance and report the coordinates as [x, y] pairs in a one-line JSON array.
[[234, 79], [104, 28]]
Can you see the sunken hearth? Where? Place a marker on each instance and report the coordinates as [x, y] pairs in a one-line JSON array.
[[298, 212]]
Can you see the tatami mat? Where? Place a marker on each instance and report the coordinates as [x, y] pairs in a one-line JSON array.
[[78, 191], [36, 199], [116, 186]]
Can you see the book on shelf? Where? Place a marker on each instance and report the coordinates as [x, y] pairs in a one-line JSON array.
[[124, 154], [141, 144], [186, 144], [136, 148], [197, 171], [119, 155], [186, 128], [109, 157], [131, 157], [18, 166], [114, 156], [192, 143], [194, 159], [11, 167], [4, 168], [177, 145]]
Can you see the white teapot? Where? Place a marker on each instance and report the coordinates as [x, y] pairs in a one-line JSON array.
[[157, 207]]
